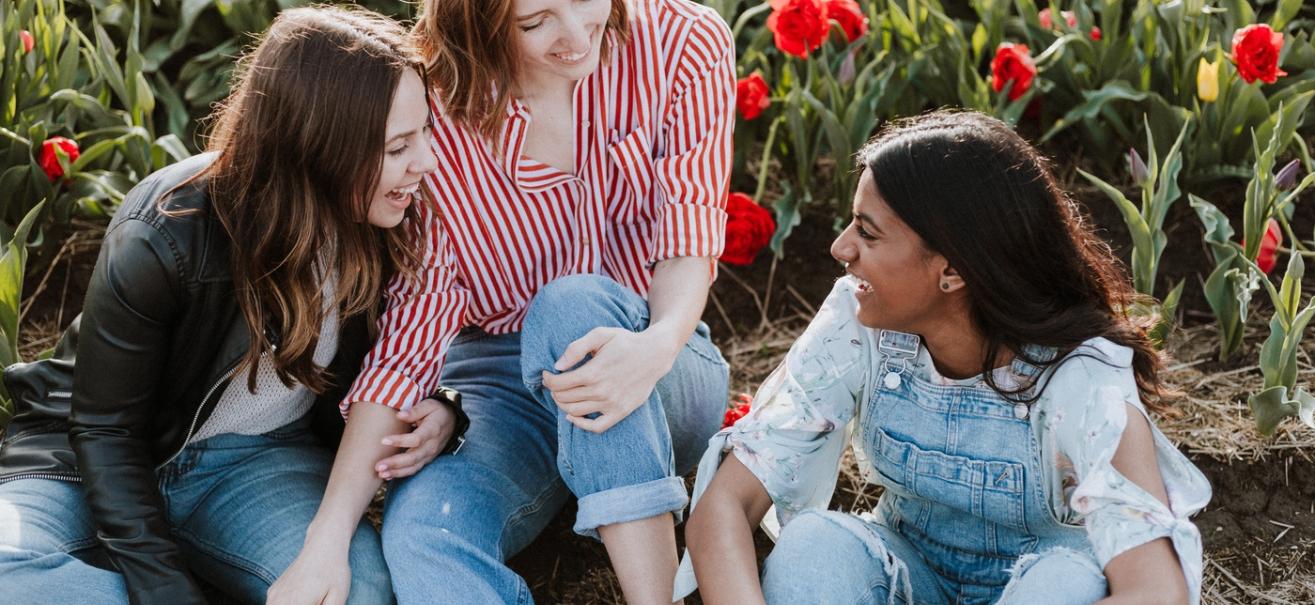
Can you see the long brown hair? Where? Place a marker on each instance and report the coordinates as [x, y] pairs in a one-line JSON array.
[[1035, 272], [472, 49], [299, 145]]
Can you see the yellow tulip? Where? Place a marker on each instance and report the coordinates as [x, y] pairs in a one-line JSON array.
[[1207, 81]]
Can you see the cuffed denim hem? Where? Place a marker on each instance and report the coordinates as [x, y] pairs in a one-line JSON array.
[[630, 503]]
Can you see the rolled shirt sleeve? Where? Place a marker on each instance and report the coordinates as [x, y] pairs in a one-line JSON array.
[[421, 317], [693, 162]]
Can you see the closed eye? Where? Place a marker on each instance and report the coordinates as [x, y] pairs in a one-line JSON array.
[[862, 233]]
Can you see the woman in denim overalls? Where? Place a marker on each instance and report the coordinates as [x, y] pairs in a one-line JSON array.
[[976, 353]]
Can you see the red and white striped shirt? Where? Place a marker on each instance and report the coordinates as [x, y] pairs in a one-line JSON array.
[[652, 158]]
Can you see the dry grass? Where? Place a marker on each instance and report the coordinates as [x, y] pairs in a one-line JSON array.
[[1214, 419]]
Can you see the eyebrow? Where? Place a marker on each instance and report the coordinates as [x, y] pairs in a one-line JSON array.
[[532, 15], [868, 222], [428, 124]]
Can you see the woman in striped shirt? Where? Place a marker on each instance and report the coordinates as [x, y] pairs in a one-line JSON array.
[[584, 150]]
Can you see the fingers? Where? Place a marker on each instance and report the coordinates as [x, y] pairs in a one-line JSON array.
[[576, 395], [407, 463], [576, 351], [594, 425], [419, 411], [579, 377], [585, 408], [405, 440]]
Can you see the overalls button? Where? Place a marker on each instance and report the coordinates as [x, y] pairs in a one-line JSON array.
[[1020, 411]]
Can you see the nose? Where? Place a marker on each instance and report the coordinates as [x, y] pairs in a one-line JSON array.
[[426, 161], [842, 249], [576, 33]]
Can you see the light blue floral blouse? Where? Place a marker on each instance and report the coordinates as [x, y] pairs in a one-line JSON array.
[[800, 424]]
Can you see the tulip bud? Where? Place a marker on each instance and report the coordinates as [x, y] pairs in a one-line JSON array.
[[1137, 167], [1287, 176], [1207, 81], [847, 71], [28, 41]]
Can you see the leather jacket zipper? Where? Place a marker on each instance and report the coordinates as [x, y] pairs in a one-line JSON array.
[[191, 429], [74, 477]]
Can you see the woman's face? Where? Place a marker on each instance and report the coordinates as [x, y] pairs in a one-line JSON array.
[[562, 38], [407, 155], [900, 278]]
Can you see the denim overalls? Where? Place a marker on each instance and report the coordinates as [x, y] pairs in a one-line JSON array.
[[965, 506]]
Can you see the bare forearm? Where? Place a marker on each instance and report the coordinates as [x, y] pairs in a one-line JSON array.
[[353, 481], [720, 535], [676, 299], [720, 539]]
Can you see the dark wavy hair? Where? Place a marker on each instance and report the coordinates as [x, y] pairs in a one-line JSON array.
[[299, 143], [1035, 273]]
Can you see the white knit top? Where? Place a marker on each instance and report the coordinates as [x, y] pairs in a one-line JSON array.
[[272, 405]]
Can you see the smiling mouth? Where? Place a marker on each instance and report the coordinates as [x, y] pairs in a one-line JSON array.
[[570, 57], [863, 285], [404, 193]]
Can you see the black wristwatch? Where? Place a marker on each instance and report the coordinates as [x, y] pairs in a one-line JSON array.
[[452, 399]]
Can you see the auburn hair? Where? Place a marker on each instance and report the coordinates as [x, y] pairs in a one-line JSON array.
[[299, 148], [472, 49]]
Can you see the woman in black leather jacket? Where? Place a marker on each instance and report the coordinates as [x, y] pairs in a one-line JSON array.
[[229, 309]]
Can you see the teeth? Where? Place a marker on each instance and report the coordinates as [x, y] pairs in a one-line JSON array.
[[570, 58], [405, 191]]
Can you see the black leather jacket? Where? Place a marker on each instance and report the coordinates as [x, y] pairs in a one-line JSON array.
[[158, 340]]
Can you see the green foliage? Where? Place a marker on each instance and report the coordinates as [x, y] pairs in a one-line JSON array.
[[12, 264], [1159, 191], [69, 86], [1281, 396]]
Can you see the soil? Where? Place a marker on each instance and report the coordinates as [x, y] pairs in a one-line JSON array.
[[1257, 507]]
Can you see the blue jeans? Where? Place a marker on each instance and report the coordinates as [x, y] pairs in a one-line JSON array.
[[449, 528], [837, 558], [238, 506], [965, 517]]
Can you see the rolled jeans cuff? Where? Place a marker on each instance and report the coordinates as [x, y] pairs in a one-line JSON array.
[[630, 503]]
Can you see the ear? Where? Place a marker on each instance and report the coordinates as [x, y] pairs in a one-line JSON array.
[[950, 280]]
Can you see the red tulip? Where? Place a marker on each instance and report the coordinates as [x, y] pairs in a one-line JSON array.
[[1268, 255], [27, 39], [1012, 63], [749, 227], [798, 26], [1255, 52], [49, 162], [752, 96], [850, 17], [737, 409]]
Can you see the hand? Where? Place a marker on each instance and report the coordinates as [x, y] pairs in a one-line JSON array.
[[318, 576], [432, 424], [619, 378]]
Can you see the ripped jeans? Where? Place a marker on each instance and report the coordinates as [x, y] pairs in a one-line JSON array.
[[863, 561], [965, 518]]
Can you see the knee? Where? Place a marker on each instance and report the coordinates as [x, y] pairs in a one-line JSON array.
[[578, 303], [827, 556], [1062, 576]]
